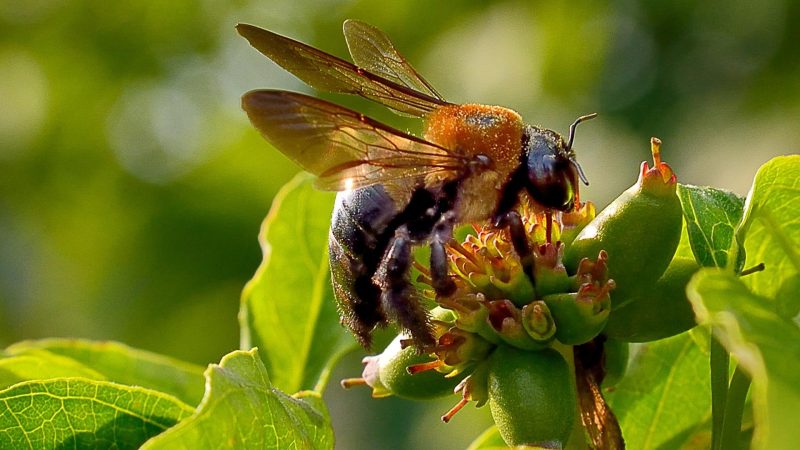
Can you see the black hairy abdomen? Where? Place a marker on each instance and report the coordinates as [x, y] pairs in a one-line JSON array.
[[363, 224]]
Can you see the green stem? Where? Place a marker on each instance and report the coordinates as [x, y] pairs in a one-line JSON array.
[[734, 408], [720, 362]]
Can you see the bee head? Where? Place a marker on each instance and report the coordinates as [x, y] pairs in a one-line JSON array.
[[552, 171]]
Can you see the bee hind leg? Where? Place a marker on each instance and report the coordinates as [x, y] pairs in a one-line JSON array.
[[399, 299]]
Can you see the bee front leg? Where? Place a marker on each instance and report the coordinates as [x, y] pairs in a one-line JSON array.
[[398, 297], [441, 234], [519, 239]]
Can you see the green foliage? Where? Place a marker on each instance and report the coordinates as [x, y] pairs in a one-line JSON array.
[[90, 395], [242, 409], [82, 413], [765, 344], [288, 308], [711, 217], [770, 228], [663, 401], [489, 440], [751, 317], [109, 361]]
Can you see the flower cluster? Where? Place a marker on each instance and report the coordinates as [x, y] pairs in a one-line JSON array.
[[503, 300]]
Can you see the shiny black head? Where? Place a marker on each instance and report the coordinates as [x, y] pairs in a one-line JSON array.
[[552, 171]]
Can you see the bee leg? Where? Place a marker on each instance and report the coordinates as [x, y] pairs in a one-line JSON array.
[[519, 239], [398, 297], [440, 279]]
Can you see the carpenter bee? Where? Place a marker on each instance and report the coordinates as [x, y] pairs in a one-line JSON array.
[[397, 190]]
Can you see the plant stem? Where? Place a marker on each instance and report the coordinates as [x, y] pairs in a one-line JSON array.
[[734, 408], [720, 362]]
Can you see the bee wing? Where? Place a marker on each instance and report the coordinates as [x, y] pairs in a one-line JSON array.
[[372, 50], [329, 73], [345, 149], [601, 425]]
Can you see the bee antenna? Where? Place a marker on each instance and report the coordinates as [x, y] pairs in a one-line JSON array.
[[581, 175], [574, 125]]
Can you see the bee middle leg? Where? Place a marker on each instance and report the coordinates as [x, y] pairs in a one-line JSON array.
[[519, 239], [398, 297]]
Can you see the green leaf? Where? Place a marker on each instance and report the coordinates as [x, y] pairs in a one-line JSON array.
[[288, 308], [664, 399], [771, 225], [242, 409], [42, 365], [488, 440], [711, 216], [684, 249], [80, 413], [765, 344], [109, 361]]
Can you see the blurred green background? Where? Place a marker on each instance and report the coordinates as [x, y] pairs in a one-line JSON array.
[[132, 187]]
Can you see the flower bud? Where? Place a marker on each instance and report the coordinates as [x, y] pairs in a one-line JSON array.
[[538, 322], [402, 371], [531, 397], [507, 322], [575, 221], [657, 311], [640, 231], [473, 388], [582, 315]]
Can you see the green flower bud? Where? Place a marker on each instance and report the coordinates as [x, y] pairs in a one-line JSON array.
[[538, 322], [388, 374], [575, 221], [473, 388], [640, 231], [507, 322], [472, 313], [582, 315], [531, 396], [459, 350], [548, 271], [657, 311]]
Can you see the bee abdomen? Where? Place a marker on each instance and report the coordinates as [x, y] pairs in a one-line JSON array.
[[361, 228]]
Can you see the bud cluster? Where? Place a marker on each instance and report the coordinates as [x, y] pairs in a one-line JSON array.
[[501, 300]]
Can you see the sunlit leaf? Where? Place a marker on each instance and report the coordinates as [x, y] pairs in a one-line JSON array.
[[665, 396], [42, 365], [684, 246], [109, 361], [242, 409], [771, 225], [488, 440], [288, 308], [711, 216], [765, 344], [80, 413]]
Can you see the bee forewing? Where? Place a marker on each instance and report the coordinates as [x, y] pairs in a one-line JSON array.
[[326, 72]]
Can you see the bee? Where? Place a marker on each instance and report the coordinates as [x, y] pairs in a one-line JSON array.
[[397, 190]]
